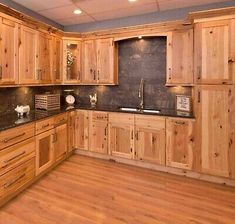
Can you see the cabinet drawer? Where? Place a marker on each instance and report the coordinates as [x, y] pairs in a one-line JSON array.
[[60, 119], [15, 179], [100, 116], [150, 122], [15, 155], [15, 135], [121, 117], [44, 125]]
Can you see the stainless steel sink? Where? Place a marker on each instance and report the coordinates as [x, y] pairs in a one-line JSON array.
[[129, 109]]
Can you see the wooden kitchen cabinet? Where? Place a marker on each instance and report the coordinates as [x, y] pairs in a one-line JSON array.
[[72, 61], [44, 150], [150, 139], [215, 120], [60, 141], [8, 52], [89, 75], [180, 137], [100, 62], [121, 135], [43, 58], [180, 57], [98, 132], [27, 56], [215, 52], [81, 130], [57, 60]]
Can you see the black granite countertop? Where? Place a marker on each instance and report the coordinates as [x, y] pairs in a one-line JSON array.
[[11, 120]]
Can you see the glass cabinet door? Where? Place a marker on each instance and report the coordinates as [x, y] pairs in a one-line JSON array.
[[72, 61]]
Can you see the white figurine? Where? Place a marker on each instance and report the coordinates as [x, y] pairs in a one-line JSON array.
[[21, 110], [93, 100]]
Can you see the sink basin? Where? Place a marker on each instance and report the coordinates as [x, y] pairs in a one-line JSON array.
[[129, 109]]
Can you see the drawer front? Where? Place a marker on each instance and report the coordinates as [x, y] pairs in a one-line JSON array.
[[147, 121], [15, 135], [44, 125], [121, 118], [15, 179], [99, 116], [60, 119], [15, 155]]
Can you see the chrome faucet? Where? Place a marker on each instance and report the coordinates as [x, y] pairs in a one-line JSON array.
[[141, 94]]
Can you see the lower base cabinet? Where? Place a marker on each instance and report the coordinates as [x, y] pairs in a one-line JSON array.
[[150, 139], [44, 151], [121, 135], [180, 152]]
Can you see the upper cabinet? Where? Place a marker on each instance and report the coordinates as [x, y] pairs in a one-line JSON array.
[[43, 58], [71, 61], [8, 52], [99, 64], [215, 52], [57, 59], [180, 57]]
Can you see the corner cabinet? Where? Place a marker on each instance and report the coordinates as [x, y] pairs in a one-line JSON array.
[[180, 137], [99, 64], [9, 52], [215, 52], [71, 61], [215, 119], [180, 57], [121, 135], [150, 139]]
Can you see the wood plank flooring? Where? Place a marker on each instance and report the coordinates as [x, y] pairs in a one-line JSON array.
[[85, 190]]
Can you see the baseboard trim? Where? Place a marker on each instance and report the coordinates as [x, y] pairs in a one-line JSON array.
[[165, 169]]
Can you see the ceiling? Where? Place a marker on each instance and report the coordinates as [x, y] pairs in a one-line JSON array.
[[61, 11]]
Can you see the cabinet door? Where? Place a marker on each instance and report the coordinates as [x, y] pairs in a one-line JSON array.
[[81, 132], [27, 56], [44, 151], [215, 127], [43, 58], [89, 74], [60, 142], [72, 61], [57, 60], [180, 57], [180, 143], [98, 137], [71, 131], [214, 52], [9, 52], [121, 140], [105, 61]]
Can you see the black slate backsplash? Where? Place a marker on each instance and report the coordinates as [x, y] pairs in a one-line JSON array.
[[138, 58]]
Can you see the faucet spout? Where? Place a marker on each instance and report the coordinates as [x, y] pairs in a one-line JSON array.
[[141, 94]]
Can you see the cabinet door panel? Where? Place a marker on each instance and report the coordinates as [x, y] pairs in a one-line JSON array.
[[214, 53], [180, 57], [27, 56], [57, 60], [150, 145], [82, 124], [89, 63], [105, 61], [98, 134], [9, 52], [215, 125], [180, 147], [61, 143]]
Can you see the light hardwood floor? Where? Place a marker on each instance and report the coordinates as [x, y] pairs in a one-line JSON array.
[[84, 190]]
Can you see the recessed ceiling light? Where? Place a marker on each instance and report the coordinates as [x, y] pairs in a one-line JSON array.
[[132, 0], [77, 11]]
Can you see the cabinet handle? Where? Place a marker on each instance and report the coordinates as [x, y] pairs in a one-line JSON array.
[[98, 74], [6, 140], [199, 71], [94, 73], [169, 74], [0, 72], [180, 122], [137, 135], [10, 183], [231, 60], [38, 75], [15, 157], [105, 131], [45, 126], [132, 134], [199, 97]]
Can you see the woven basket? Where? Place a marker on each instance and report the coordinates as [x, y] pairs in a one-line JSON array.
[[47, 101]]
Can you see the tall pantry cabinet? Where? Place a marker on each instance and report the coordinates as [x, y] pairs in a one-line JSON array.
[[214, 67]]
